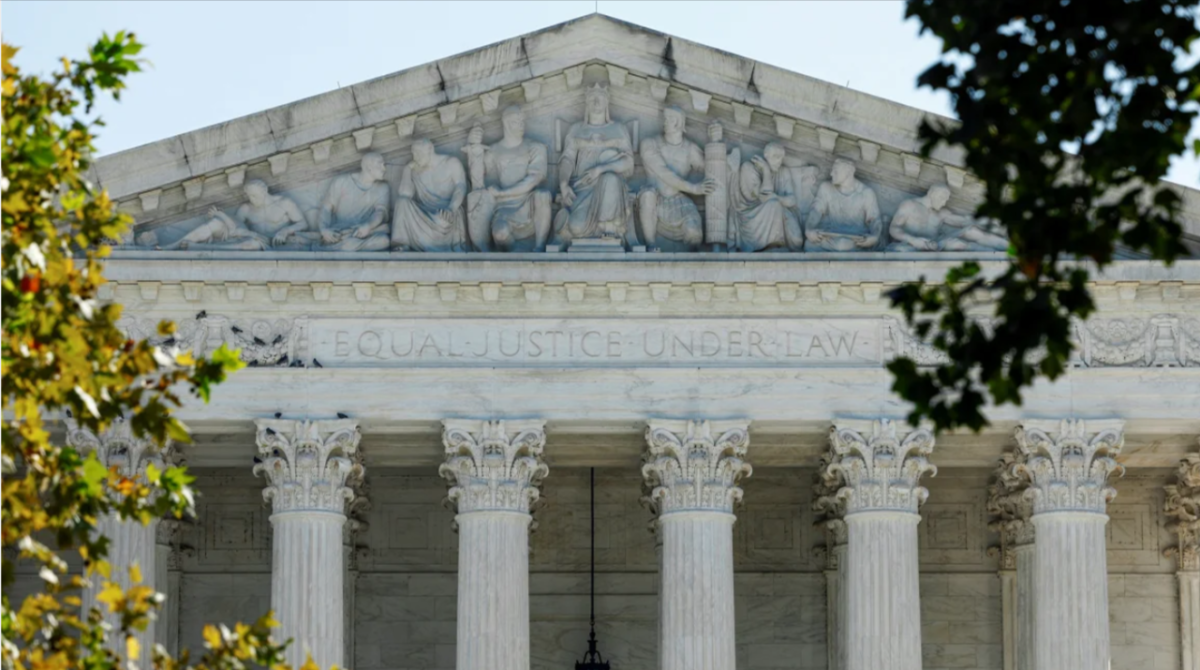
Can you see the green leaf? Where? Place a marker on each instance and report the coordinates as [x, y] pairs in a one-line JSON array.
[[94, 475]]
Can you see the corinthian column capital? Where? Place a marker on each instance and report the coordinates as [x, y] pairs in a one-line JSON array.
[[310, 466], [1011, 510], [1182, 507], [1068, 463], [880, 465], [116, 446], [830, 507], [695, 465], [493, 465]]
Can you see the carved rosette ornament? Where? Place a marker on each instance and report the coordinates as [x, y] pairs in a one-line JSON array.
[[695, 465], [1069, 465], [309, 465], [118, 447], [1182, 507], [493, 465], [881, 470]]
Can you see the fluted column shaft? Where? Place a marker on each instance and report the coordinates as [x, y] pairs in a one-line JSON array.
[[837, 590], [1182, 508], [1068, 464], [697, 606], [493, 590], [1025, 633], [691, 472], [130, 544], [494, 469], [1189, 618], [306, 584], [1071, 585], [310, 467], [880, 470], [883, 618]]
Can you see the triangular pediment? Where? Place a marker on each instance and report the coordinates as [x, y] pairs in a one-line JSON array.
[[298, 148]]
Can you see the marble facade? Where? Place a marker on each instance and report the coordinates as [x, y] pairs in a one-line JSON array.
[[600, 246]]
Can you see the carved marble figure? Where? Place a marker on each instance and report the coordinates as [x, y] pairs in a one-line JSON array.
[[429, 203], [924, 224], [664, 209], [845, 214], [354, 213], [265, 221], [512, 212], [767, 199], [596, 161]]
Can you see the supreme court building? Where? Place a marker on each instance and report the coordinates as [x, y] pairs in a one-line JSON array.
[[461, 286]]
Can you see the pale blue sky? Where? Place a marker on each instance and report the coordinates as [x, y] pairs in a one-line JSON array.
[[213, 61]]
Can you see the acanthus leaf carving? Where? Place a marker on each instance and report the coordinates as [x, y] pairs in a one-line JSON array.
[[308, 465], [881, 470], [1010, 510], [830, 508], [1068, 465], [1182, 507], [493, 465], [695, 465], [117, 447]]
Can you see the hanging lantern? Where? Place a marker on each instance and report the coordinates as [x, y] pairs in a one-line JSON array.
[[592, 660]]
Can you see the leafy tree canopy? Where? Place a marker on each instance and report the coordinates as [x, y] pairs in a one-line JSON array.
[[63, 353], [1069, 112]]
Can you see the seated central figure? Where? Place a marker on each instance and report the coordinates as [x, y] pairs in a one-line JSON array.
[[597, 159], [429, 203], [663, 208], [845, 215]]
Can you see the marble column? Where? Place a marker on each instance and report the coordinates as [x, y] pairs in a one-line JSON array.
[[1012, 510], [881, 467], [310, 469], [168, 553], [1182, 507], [830, 509], [132, 544], [494, 469], [1068, 464], [691, 473]]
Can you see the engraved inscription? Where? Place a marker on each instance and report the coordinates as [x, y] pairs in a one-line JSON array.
[[597, 342]]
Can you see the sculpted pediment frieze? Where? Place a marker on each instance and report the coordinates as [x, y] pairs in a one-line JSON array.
[[594, 157]]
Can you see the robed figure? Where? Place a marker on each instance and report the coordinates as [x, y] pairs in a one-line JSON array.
[[767, 199], [429, 203], [597, 159]]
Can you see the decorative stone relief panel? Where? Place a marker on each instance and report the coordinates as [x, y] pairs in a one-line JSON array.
[[233, 527], [1137, 529], [774, 529], [409, 528], [664, 172], [263, 342], [1161, 340], [953, 533]]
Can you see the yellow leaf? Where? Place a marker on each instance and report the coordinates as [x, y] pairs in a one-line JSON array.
[[212, 637], [309, 664], [135, 573], [110, 595], [132, 648]]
